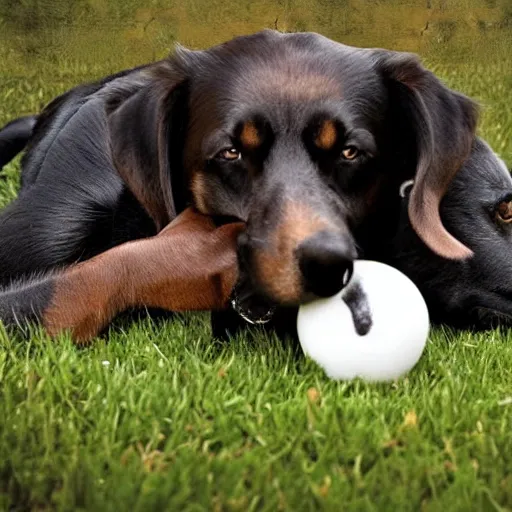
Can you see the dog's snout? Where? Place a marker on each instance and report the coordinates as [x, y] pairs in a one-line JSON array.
[[326, 261]]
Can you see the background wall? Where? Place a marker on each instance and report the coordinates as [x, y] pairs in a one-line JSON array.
[[123, 32], [49, 45]]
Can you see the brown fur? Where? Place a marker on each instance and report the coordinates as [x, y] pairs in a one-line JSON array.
[[505, 211], [250, 136], [278, 265], [327, 135], [199, 191], [286, 81], [190, 265]]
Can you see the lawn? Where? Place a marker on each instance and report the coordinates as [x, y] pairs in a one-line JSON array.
[[162, 417]]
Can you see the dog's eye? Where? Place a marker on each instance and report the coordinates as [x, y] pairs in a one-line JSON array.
[[229, 154], [504, 211], [350, 152]]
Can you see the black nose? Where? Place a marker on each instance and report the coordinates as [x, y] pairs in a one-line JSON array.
[[326, 261]]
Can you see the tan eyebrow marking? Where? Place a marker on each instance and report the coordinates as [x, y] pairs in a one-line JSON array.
[[250, 136], [327, 135]]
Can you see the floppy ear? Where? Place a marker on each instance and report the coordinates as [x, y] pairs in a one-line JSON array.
[[146, 134], [444, 123]]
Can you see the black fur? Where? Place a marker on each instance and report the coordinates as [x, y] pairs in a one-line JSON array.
[[25, 301], [475, 293], [14, 137]]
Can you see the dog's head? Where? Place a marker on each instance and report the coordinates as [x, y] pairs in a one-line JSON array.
[[477, 209], [301, 138]]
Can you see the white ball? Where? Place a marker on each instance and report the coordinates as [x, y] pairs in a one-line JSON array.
[[397, 335]]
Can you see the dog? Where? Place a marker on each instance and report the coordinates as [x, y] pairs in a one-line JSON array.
[[301, 139], [474, 293]]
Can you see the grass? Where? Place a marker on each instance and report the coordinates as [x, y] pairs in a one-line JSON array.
[[176, 422], [162, 417]]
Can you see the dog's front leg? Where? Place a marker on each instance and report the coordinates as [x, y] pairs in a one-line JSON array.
[[190, 265]]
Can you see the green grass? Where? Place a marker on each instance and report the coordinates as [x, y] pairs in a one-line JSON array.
[[177, 421]]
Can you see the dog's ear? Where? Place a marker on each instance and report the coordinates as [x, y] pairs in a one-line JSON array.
[[147, 126], [443, 123]]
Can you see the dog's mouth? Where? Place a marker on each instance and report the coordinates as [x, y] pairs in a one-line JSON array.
[[254, 309]]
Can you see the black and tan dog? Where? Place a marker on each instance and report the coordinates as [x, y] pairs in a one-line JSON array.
[[293, 141]]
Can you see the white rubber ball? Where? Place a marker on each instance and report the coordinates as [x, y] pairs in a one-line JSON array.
[[379, 297]]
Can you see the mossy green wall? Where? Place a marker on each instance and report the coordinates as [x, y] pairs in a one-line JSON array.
[[118, 33]]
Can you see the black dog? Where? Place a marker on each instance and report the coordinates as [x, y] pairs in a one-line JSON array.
[[477, 209], [303, 139]]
